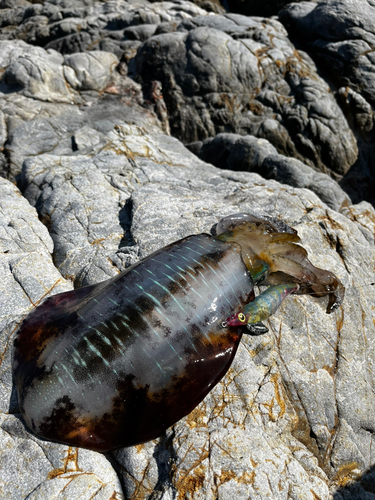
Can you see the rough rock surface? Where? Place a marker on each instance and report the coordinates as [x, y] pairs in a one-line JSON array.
[[296, 406], [339, 35], [242, 153], [27, 272], [80, 25], [102, 184], [218, 73], [239, 74], [254, 7], [50, 103]]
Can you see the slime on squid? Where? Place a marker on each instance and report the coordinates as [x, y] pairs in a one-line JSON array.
[[116, 363]]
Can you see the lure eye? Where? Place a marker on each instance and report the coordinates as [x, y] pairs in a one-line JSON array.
[[241, 317]]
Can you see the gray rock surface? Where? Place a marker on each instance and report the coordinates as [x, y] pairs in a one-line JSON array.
[[50, 103], [102, 185], [339, 35], [219, 73], [295, 406], [237, 74], [36, 470], [82, 25], [247, 153], [256, 8], [27, 273]]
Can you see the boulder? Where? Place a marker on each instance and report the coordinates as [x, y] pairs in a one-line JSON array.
[[242, 75], [56, 104], [247, 153], [254, 7], [83, 25], [101, 184], [295, 406], [339, 35]]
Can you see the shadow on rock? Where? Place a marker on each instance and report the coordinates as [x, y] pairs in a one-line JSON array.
[[363, 488]]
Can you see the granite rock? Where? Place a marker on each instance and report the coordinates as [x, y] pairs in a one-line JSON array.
[[295, 406], [226, 73], [247, 153], [36, 470], [242, 75], [56, 104], [339, 35], [83, 25], [255, 8], [27, 273]]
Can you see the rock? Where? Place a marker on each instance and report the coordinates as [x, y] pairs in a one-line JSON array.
[[91, 71], [272, 90], [362, 214], [49, 110], [50, 470], [242, 75], [80, 26], [339, 35], [33, 72], [247, 153], [27, 273], [211, 5], [102, 186], [85, 201], [294, 403]]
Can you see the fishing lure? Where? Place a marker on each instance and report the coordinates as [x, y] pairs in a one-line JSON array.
[[261, 308], [116, 363]]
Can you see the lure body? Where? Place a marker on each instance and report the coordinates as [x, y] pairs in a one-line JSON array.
[[116, 363], [263, 306]]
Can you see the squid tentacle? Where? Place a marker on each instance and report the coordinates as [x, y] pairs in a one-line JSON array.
[[269, 251]]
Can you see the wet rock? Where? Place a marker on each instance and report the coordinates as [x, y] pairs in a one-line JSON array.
[[242, 75]]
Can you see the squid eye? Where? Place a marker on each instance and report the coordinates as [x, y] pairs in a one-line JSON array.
[[241, 317]]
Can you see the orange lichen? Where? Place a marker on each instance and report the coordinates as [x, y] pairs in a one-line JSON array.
[[278, 395], [191, 482], [346, 474], [72, 459], [197, 418]]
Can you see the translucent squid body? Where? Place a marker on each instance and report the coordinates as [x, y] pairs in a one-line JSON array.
[[116, 363]]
